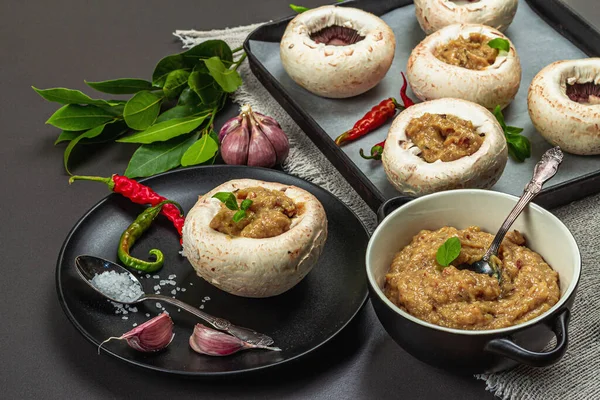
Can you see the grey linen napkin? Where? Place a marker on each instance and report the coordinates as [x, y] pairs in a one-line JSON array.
[[575, 376]]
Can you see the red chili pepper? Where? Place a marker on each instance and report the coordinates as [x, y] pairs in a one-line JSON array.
[[376, 152], [407, 101], [138, 193], [371, 121]]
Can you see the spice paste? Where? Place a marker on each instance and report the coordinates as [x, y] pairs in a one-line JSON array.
[[269, 215], [443, 137], [464, 299], [471, 53]]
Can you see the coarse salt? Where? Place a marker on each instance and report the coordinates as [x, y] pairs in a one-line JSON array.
[[118, 286]]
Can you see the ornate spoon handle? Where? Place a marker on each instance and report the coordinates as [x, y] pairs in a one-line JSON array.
[[245, 334], [544, 170]]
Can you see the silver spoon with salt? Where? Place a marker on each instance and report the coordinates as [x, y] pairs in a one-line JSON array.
[[545, 169], [90, 266]]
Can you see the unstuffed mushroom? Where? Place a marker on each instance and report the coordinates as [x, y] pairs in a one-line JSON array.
[[564, 105], [337, 52], [249, 266], [436, 69], [444, 144], [433, 15]]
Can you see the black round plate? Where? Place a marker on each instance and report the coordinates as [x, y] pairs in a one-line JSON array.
[[300, 320]]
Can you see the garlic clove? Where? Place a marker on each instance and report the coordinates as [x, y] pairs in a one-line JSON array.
[[229, 127], [276, 136], [261, 152], [211, 342], [153, 335], [235, 145]]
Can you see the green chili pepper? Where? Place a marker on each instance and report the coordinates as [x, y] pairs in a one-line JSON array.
[[134, 232]]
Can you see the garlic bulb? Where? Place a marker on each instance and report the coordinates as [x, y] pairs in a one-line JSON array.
[[153, 335], [253, 139], [216, 343]]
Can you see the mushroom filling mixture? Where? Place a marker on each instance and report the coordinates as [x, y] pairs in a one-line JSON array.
[[336, 35], [269, 215], [472, 53], [584, 93], [464, 299], [443, 137]]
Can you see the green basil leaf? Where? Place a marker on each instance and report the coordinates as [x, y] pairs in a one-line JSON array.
[[448, 251], [165, 130], [500, 44], [513, 130], [228, 79], [121, 86], [205, 87], [188, 97], [228, 199], [200, 152], [142, 109], [74, 117], [67, 136], [86, 135], [499, 117], [151, 159], [69, 96], [238, 216], [299, 9], [246, 204], [519, 147], [175, 83]]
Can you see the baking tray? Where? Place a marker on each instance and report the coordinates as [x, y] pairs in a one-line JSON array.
[[543, 31]]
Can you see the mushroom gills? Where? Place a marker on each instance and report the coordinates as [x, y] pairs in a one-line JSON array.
[[444, 137], [471, 53], [464, 2], [336, 35], [584, 93]]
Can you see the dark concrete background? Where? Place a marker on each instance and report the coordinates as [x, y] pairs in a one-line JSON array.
[[61, 43]]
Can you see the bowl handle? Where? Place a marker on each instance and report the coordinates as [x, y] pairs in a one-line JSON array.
[[390, 205], [507, 348]]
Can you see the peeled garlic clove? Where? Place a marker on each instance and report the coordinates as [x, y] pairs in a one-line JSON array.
[[216, 343], [234, 147], [276, 136], [229, 127], [260, 152], [153, 335]]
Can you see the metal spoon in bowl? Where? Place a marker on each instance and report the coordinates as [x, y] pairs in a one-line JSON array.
[[544, 170], [89, 266]]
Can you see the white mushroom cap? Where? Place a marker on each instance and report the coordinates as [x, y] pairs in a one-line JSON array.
[[254, 267], [433, 15], [412, 175], [431, 78], [573, 126], [337, 71]]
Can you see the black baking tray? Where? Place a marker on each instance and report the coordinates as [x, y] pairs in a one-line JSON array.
[[565, 21]]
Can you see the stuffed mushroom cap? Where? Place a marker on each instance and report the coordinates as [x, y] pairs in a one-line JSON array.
[[431, 78], [564, 105], [255, 267], [337, 52], [410, 174], [433, 15]]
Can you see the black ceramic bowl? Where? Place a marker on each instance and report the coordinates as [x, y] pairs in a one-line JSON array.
[[463, 350]]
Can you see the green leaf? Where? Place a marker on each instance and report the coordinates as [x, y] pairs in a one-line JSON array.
[[121, 86], [67, 136], [519, 147], [86, 135], [499, 117], [165, 130], [299, 9], [74, 117], [154, 158], [180, 112], [228, 199], [228, 79], [111, 132], [188, 97], [513, 130], [191, 58], [246, 204], [142, 109], [500, 44], [175, 83], [448, 251], [200, 152], [239, 215], [205, 87], [69, 96]]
